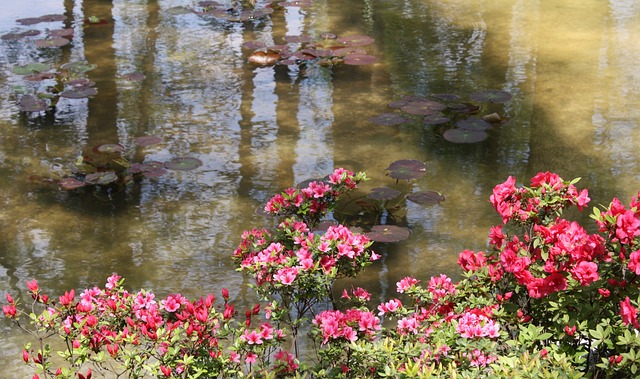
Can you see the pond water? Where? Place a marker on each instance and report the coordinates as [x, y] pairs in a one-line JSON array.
[[570, 66]]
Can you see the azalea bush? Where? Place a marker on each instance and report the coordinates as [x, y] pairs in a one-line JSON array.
[[547, 298]]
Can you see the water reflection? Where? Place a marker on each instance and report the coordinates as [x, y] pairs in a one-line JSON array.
[[571, 68]]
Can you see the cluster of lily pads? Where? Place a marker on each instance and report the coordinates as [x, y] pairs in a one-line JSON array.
[[237, 11], [54, 37], [106, 166], [327, 50], [456, 120]]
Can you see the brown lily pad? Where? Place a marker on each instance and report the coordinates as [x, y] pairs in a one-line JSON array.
[[79, 92], [61, 32], [52, 42], [423, 107], [435, 119], [30, 103], [182, 164], [359, 59], [426, 197], [473, 123], [388, 233], [253, 45], [19, 36], [71, 183], [148, 169], [406, 169]]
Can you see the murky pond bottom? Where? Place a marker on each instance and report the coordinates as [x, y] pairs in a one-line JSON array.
[[570, 68]]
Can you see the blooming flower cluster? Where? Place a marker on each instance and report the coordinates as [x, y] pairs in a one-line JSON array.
[[348, 326]]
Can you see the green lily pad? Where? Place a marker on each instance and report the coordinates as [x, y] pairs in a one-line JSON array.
[[52, 42], [426, 197], [78, 67], [383, 193], [491, 96], [182, 164], [388, 119], [30, 103], [457, 135], [101, 178], [108, 148], [71, 183], [30, 69], [407, 169], [473, 123], [388, 233]]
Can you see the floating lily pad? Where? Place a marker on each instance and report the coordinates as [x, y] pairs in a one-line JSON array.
[[101, 178], [144, 141], [19, 36], [359, 59], [356, 40], [28, 20], [31, 68], [383, 193], [388, 233], [52, 18], [423, 107], [61, 32], [254, 45], [79, 67], [264, 58], [388, 119], [457, 135], [426, 197], [52, 42], [491, 96], [30, 103], [435, 119], [407, 169], [148, 169], [182, 164], [179, 9], [79, 92], [108, 148], [473, 123], [135, 76], [40, 76], [463, 108], [80, 82], [71, 183]]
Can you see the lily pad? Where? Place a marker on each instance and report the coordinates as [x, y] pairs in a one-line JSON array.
[[80, 83], [383, 193], [79, 67], [359, 59], [71, 183], [30, 69], [28, 20], [61, 32], [388, 119], [183, 164], [52, 18], [79, 92], [135, 76], [464, 108], [19, 36], [144, 141], [473, 123], [407, 169], [355, 40], [388, 233], [253, 45], [423, 107], [426, 197], [457, 135], [40, 76], [101, 178], [30, 103], [148, 169], [52, 42], [491, 96], [108, 148], [435, 119]]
